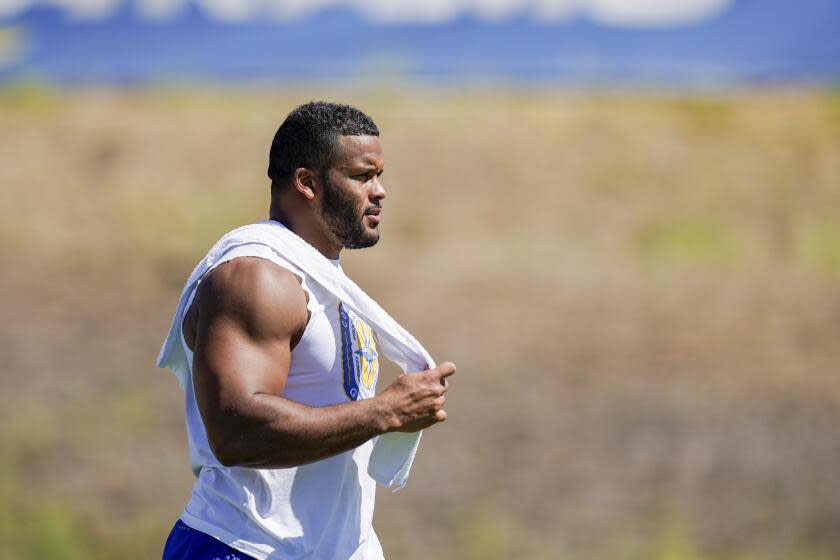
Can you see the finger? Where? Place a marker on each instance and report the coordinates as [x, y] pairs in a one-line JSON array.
[[445, 370], [440, 415]]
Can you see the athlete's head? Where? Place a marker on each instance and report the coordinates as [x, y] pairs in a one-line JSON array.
[[330, 155]]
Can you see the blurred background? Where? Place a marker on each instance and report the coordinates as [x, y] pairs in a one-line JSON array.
[[621, 219]]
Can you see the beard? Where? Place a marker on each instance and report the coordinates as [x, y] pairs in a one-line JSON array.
[[343, 219]]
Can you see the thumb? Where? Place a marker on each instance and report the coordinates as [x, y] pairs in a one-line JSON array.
[[445, 369]]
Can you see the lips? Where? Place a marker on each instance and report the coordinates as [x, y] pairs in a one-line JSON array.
[[373, 214]]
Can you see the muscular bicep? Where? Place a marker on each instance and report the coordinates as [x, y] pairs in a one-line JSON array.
[[248, 313], [230, 362]]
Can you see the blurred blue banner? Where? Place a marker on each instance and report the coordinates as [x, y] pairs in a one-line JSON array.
[[692, 43]]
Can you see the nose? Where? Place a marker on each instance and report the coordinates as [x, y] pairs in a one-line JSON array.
[[378, 191]]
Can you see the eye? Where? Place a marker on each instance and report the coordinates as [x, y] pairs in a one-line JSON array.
[[367, 176]]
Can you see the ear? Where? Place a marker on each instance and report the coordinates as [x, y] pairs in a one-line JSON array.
[[305, 182]]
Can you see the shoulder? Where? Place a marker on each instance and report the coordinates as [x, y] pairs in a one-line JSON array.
[[262, 297]]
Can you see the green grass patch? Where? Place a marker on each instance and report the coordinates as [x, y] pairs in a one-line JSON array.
[[35, 526], [832, 105], [818, 247], [687, 241], [704, 113], [30, 96], [53, 531], [486, 535], [175, 228]]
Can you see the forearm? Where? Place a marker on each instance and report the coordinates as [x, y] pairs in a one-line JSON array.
[[274, 432]]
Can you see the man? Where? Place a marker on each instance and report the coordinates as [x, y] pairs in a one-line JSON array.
[[281, 373]]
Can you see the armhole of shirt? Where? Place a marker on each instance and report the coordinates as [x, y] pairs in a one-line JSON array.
[[259, 251]]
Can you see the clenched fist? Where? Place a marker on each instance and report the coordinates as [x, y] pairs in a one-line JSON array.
[[415, 401]]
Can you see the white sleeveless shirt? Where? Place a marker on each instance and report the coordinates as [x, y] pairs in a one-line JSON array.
[[319, 510]]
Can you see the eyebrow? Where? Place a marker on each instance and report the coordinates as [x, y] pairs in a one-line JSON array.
[[366, 167]]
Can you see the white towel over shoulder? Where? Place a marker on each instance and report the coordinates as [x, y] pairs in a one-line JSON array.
[[393, 453]]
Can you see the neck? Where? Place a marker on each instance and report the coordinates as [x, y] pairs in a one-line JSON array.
[[305, 227]]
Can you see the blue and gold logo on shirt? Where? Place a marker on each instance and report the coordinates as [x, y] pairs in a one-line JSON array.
[[359, 357]]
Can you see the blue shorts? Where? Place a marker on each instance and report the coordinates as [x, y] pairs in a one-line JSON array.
[[185, 543]]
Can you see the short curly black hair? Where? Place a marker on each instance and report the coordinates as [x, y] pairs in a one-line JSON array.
[[309, 135]]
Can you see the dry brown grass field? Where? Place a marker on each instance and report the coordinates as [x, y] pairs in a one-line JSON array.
[[641, 292]]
